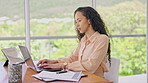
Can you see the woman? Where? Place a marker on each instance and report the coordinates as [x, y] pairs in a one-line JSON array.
[[93, 48]]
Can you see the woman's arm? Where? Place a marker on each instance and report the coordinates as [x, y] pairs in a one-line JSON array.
[[59, 63], [94, 60]]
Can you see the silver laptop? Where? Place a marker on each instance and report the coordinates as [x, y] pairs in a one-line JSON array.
[[30, 62], [12, 55]]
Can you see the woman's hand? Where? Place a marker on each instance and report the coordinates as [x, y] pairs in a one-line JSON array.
[[56, 65], [46, 61]]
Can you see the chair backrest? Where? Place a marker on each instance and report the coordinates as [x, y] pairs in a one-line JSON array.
[[112, 75]]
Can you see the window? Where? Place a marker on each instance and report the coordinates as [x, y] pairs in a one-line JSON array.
[[53, 18], [12, 24], [126, 17], [12, 18]]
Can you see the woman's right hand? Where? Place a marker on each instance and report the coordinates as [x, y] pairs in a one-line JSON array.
[[46, 61]]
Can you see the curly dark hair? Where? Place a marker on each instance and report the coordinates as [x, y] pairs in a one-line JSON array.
[[96, 22]]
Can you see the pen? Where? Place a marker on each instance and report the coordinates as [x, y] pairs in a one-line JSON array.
[[61, 72]]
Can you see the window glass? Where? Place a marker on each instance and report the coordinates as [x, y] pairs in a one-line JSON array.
[[126, 17], [54, 17], [123, 16], [11, 23], [52, 49], [12, 18]]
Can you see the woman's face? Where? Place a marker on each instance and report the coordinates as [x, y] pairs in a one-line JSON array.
[[82, 23]]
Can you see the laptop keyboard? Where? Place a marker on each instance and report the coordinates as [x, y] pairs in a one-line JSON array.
[[39, 68], [48, 69]]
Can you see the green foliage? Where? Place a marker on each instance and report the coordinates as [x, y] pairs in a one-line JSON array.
[[67, 46], [132, 52], [123, 19], [52, 28], [12, 29]]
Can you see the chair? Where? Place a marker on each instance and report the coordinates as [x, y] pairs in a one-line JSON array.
[[112, 75]]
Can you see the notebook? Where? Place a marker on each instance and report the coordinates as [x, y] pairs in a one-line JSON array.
[[52, 76], [30, 62]]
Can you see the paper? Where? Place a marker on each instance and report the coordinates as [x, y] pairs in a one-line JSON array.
[[69, 76], [44, 79]]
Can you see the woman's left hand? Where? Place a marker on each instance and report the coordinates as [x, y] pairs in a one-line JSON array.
[[56, 65]]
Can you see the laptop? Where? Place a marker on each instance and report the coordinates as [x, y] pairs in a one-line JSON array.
[[30, 62], [12, 55]]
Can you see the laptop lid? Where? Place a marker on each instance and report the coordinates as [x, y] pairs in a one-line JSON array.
[[26, 54], [12, 55]]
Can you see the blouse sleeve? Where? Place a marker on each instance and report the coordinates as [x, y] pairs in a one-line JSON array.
[[73, 57], [94, 60]]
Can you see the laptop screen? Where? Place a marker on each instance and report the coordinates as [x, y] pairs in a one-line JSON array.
[[26, 55]]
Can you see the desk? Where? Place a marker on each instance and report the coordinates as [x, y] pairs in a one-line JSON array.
[[27, 77]]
